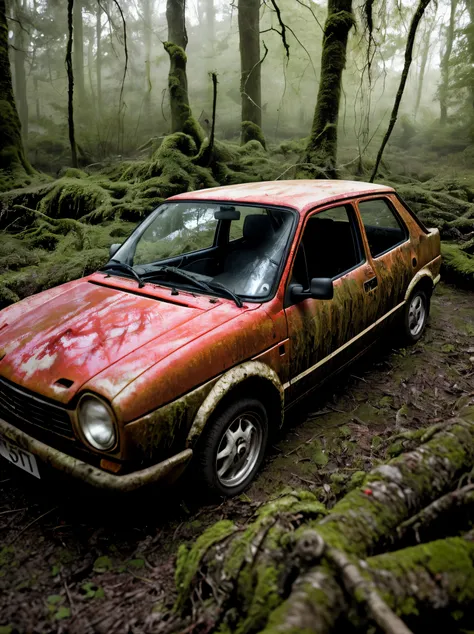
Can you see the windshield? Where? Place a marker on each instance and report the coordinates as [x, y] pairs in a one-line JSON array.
[[231, 247]]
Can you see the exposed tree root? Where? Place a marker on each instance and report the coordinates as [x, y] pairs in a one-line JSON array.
[[437, 518], [284, 571]]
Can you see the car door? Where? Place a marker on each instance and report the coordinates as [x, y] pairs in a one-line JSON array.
[[390, 251], [325, 334]]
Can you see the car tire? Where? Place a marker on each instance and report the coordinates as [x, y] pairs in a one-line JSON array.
[[415, 317], [233, 447]]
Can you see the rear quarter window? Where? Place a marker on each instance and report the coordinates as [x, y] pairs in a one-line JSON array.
[[384, 228]]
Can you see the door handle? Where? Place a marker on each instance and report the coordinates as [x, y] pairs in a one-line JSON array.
[[369, 285]]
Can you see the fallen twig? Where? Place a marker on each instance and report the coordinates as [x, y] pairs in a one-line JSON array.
[[31, 524]]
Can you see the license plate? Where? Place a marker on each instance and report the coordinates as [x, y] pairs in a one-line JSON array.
[[19, 457]]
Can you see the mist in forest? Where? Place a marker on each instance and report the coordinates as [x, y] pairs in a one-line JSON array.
[[120, 70]]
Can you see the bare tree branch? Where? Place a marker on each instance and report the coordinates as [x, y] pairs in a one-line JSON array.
[[124, 24], [283, 28], [408, 59]]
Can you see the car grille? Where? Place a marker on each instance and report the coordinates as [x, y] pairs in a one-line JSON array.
[[17, 404]]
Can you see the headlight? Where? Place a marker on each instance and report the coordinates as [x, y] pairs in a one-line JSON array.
[[96, 423]]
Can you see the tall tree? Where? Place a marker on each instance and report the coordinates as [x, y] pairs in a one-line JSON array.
[[210, 21], [147, 16], [445, 58], [470, 46], [70, 80], [417, 16], [250, 67], [78, 52], [425, 50], [98, 63], [321, 151], [14, 166], [19, 58], [181, 116]]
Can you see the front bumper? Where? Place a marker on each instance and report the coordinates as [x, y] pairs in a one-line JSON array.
[[168, 470]]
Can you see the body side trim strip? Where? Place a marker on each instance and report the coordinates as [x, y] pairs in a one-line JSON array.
[[343, 347]]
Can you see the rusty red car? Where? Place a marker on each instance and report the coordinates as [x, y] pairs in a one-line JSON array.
[[222, 309]]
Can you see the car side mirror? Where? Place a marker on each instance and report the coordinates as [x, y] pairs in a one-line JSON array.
[[320, 288], [113, 249]]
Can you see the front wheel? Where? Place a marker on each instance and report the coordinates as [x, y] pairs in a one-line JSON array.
[[233, 447], [416, 316]]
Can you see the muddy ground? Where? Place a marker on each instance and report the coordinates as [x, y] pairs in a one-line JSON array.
[[72, 560]]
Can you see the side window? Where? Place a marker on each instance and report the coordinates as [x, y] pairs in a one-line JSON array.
[[330, 246], [383, 227]]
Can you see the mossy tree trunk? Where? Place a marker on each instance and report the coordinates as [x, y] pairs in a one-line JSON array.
[[14, 166], [417, 16], [19, 58], [300, 568], [321, 151], [181, 115], [250, 65], [445, 59]]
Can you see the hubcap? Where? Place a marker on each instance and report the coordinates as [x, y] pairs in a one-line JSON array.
[[416, 315], [239, 449]]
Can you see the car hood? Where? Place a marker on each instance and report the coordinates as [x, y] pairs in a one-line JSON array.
[[53, 347]]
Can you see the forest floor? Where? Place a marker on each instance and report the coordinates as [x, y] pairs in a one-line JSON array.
[[72, 560]]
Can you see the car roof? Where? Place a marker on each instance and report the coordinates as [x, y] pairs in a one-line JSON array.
[[298, 194]]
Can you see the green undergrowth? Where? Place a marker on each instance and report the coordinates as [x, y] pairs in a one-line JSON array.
[[50, 254], [458, 265], [54, 230]]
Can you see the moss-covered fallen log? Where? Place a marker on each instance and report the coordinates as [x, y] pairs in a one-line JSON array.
[[280, 571]]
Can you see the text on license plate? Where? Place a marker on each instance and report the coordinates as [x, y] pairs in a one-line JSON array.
[[19, 457]]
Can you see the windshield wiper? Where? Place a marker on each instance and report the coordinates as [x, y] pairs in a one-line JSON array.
[[117, 265], [227, 291], [208, 287], [179, 273]]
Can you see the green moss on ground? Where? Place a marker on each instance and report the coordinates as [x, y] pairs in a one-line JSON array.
[[50, 253]]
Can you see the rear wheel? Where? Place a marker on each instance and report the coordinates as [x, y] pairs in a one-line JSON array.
[[233, 447], [416, 316]]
